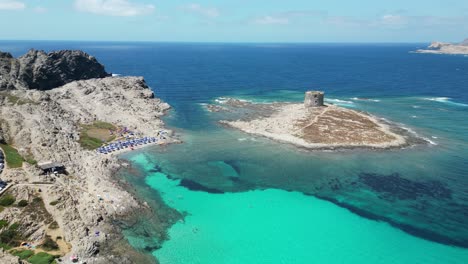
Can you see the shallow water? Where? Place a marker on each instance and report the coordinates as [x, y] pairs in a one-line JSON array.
[[274, 226], [398, 206]]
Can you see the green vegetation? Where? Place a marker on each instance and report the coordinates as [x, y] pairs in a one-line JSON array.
[[7, 200], [95, 135], [41, 258], [22, 254], [1, 208], [12, 157], [49, 244], [3, 223], [29, 159], [102, 125], [15, 99], [23, 203], [54, 203], [14, 226], [10, 237], [5, 246], [54, 225], [89, 142]]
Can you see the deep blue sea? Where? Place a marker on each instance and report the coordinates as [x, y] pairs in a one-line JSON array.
[[259, 201]]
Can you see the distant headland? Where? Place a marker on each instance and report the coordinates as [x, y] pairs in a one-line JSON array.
[[446, 48]]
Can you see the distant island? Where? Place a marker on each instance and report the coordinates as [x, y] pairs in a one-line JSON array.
[[314, 125], [446, 48]]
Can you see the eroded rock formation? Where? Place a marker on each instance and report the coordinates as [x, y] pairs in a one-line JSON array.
[[44, 71]]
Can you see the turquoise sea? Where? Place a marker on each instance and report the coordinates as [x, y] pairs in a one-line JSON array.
[[228, 197]]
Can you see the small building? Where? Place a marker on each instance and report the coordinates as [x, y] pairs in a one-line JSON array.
[[50, 167], [314, 99]]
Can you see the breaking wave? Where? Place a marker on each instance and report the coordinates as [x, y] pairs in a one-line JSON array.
[[445, 100], [365, 99]]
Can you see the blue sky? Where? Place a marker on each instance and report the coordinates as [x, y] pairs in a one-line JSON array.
[[235, 20]]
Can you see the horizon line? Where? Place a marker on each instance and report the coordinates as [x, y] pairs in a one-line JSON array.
[[218, 42]]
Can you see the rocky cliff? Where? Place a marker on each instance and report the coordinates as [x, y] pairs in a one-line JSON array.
[[43, 71], [465, 42], [45, 126], [446, 48]]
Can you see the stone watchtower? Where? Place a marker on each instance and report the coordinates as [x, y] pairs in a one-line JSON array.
[[314, 99]]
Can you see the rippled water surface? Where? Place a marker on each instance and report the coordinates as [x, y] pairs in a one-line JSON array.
[[251, 200]]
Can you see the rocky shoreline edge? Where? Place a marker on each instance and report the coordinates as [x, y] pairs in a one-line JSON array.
[[329, 127], [446, 48], [85, 201]]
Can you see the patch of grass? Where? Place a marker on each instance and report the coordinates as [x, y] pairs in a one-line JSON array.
[[49, 244], [16, 99], [23, 203], [89, 142], [103, 125], [14, 226], [5, 246], [95, 135], [54, 203], [7, 200], [8, 237], [41, 258], [22, 254], [3, 223], [31, 161], [1, 208], [29, 158], [12, 157], [54, 225]]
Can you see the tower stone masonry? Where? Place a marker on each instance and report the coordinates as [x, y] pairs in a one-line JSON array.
[[314, 99]]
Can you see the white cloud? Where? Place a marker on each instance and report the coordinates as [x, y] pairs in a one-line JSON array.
[[393, 21], [113, 7], [40, 9], [210, 12], [284, 18], [11, 5], [271, 20]]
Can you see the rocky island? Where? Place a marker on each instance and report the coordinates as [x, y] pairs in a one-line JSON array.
[[61, 198], [446, 48], [314, 125]]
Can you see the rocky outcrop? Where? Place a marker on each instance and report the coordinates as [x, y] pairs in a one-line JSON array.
[[446, 48], [46, 126], [9, 259], [43, 71]]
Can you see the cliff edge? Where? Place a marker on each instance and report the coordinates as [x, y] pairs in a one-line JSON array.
[[70, 212], [446, 48], [43, 71]]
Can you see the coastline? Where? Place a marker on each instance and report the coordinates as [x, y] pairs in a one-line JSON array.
[[88, 200], [445, 48], [356, 130]]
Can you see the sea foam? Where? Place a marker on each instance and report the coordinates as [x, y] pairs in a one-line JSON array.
[[365, 99], [445, 100]]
